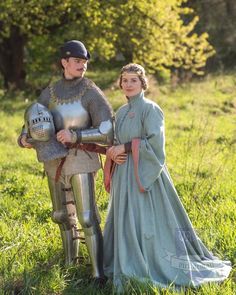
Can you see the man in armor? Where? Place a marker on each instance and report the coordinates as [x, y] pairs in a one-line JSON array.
[[81, 115]]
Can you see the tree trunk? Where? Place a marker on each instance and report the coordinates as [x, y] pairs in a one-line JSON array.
[[12, 59]]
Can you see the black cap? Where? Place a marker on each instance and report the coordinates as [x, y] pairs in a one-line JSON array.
[[74, 48]]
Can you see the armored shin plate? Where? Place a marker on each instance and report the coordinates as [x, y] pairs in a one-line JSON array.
[[64, 214], [83, 188]]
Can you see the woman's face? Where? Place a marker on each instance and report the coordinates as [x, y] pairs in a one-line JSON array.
[[131, 84]]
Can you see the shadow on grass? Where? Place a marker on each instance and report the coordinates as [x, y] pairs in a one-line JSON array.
[[41, 280]]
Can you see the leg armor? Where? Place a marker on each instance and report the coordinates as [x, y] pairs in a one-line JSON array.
[[83, 188], [64, 213]]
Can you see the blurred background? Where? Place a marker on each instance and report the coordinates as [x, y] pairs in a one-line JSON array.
[[188, 49], [174, 39]]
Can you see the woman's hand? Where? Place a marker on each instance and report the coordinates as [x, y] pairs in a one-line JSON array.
[[64, 136], [117, 154], [120, 159], [23, 141]]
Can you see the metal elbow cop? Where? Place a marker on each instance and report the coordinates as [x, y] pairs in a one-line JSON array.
[[101, 135]]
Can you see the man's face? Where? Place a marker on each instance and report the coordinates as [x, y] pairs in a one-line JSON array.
[[74, 67]]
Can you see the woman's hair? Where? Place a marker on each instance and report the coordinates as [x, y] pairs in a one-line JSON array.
[[139, 70]]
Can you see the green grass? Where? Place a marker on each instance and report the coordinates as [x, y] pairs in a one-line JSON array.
[[200, 148]]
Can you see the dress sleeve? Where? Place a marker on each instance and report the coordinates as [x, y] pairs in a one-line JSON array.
[[151, 150]]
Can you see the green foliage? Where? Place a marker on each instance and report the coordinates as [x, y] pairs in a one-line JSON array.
[[90, 21], [158, 34], [200, 148], [218, 18], [35, 17]]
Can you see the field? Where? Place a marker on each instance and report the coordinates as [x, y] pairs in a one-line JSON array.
[[201, 155]]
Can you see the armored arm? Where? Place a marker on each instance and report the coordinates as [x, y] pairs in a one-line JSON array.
[[102, 135], [100, 111]]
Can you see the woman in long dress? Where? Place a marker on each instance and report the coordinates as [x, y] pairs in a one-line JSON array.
[[148, 235]]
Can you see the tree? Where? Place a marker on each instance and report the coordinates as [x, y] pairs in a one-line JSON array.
[[21, 21], [218, 18], [157, 33], [161, 36]]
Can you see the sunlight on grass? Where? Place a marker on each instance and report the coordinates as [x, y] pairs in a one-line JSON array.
[[200, 148]]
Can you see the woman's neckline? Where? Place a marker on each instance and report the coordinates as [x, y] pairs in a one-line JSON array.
[[133, 99]]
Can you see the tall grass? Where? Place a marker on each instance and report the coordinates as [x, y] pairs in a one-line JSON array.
[[200, 148]]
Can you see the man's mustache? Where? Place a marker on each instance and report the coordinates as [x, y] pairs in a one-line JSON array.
[[82, 69]]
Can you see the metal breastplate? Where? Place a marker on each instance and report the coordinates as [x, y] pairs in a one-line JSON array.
[[70, 115]]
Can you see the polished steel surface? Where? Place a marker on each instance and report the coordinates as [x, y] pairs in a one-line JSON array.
[[39, 122], [70, 203], [71, 115]]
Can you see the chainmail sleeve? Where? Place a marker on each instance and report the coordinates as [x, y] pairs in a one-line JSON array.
[[44, 97], [97, 105], [100, 112]]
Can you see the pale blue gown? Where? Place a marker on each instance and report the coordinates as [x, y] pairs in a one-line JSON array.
[[148, 235]]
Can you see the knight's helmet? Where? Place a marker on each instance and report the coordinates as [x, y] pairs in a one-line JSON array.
[[41, 133]]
